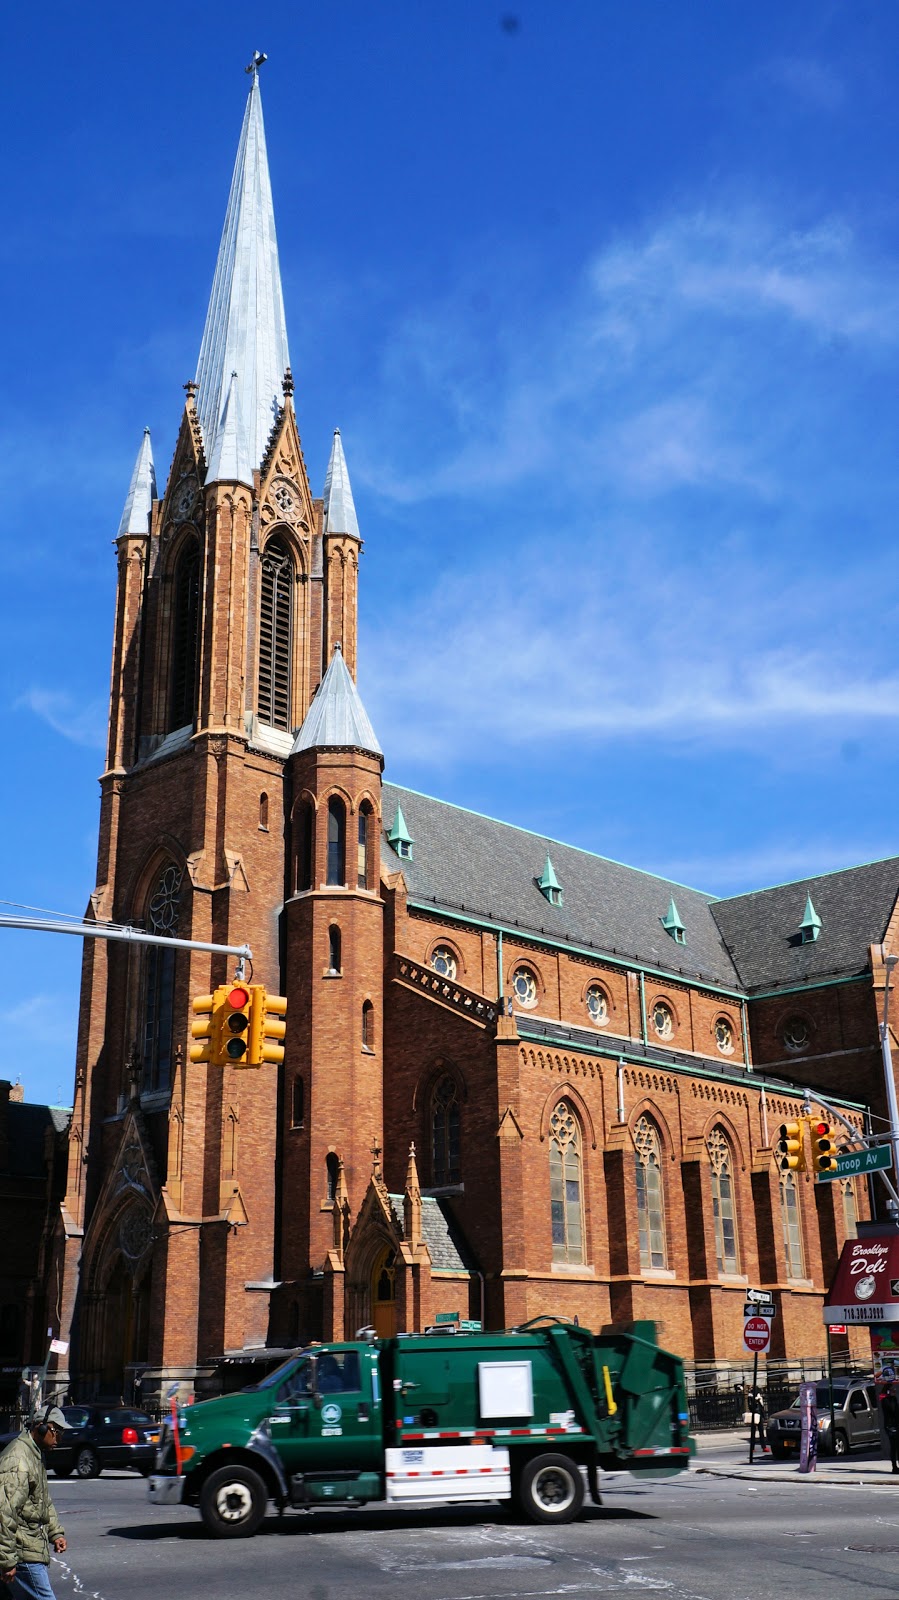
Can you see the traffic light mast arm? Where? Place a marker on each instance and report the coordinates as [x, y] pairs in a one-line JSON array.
[[862, 1139], [113, 930]]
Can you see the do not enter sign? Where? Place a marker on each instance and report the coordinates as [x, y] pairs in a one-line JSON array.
[[757, 1334]]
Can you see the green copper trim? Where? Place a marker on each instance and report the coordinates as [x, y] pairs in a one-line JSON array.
[[811, 923], [672, 924]]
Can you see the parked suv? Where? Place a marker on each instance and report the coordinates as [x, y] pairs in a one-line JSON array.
[[104, 1436], [856, 1419]]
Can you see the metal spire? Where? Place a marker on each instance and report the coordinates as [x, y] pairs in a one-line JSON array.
[[245, 329], [142, 492], [340, 509], [337, 719]]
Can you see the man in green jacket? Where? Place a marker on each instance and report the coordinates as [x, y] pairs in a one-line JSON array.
[[28, 1520]]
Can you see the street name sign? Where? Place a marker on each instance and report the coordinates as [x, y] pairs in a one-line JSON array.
[[855, 1161]]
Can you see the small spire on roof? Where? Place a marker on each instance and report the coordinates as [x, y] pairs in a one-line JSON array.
[[549, 884], [811, 923], [337, 719], [672, 924], [141, 492], [340, 508], [229, 460], [399, 837]]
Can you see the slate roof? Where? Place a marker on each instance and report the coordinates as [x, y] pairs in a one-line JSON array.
[[28, 1125], [762, 928], [462, 861], [449, 1251]]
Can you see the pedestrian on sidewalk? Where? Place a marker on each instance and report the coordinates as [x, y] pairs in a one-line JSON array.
[[757, 1404], [28, 1521], [889, 1409]]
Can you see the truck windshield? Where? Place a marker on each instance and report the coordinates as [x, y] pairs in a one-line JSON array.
[[275, 1377], [822, 1398]]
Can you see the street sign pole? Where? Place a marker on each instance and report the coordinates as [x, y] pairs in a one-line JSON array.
[[752, 1410]]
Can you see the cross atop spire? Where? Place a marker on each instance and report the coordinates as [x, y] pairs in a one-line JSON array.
[[245, 329]]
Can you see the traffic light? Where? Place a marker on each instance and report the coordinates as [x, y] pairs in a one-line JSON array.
[[205, 1007], [266, 1032], [791, 1147], [234, 1026], [823, 1154]]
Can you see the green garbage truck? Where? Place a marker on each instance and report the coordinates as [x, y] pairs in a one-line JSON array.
[[527, 1415]]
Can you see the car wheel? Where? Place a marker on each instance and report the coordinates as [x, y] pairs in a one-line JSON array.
[[87, 1463], [551, 1489], [840, 1444], [145, 1471], [63, 1472], [777, 1449], [233, 1502]]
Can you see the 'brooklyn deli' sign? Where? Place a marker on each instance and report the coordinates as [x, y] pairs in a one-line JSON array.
[[866, 1285]]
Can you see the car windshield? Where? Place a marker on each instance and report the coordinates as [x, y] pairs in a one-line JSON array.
[[822, 1398], [75, 1416], [275, 1377]]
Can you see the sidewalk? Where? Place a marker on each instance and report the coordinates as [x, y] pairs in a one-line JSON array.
[[726, 1455]]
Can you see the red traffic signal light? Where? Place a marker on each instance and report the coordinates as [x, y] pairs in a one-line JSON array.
[[235, 1026], [823, 1153]]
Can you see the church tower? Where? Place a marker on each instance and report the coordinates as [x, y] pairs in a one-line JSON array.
[[233, 590]]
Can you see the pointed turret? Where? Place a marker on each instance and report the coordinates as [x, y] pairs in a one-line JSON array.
[[340, 509], [549, 885], [245, 330], [142, 492], [229, 460], [672, 924], [811, 924], [337, 719]]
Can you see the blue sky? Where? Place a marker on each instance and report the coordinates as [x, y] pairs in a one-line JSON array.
[[605, 301]]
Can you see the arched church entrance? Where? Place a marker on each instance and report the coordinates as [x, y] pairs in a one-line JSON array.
[[383, 1293]]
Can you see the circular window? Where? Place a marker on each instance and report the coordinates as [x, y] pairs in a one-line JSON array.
[[597, 1004], [444, 961], [724, 1036], [796, 1033], [524, 986], [662, 1020]]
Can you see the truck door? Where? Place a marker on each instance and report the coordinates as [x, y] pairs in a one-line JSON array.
[[332, 1423]]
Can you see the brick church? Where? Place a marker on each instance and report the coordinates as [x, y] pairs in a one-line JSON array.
[[519, 1078]]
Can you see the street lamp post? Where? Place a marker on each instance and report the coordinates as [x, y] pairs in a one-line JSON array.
[[889, 962]]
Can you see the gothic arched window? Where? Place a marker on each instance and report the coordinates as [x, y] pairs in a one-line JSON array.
[[565, 1186], [723, 1212], [333, 948], [650, 1196], [185, 636], [332, 1172], [305, 846], [298, 1103], [792, 1226], [275, 635], [362, 847], [159, 983], [368, 1026], [336, 842], [850, 1209], [445, 1132]]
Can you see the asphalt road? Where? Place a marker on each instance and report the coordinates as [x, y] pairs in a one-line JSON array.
[[694, 1537]]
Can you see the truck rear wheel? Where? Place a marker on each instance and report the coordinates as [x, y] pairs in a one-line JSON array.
[[551, 1489], [233, 1502]]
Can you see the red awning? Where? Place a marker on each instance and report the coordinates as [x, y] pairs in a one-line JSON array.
[[866, 1285]]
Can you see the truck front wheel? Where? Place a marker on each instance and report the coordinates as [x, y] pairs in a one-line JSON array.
[[233, 1502], [551, 1489]]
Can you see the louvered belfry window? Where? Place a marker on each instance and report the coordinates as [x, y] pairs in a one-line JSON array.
[[186, 636], [275, 634]]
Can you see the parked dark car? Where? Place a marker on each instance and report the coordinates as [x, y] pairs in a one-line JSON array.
[[105, 1436], [856, 1417]]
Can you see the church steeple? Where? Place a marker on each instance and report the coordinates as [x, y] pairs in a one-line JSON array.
[[245, 330], [340, 508]]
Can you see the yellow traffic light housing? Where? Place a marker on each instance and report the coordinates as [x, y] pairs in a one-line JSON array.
[[824, 1157], [791, 1147], [205, 1008], [266, 1028], [234, 1028]]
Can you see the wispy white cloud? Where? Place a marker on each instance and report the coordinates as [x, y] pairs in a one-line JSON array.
[[784, 860], [81, 724], [812, 83]]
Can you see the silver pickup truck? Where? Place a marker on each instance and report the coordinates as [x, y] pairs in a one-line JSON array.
[[856, 1418]]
